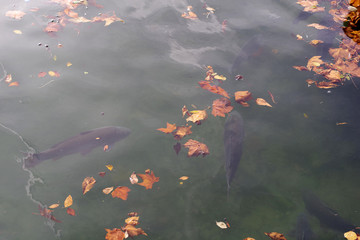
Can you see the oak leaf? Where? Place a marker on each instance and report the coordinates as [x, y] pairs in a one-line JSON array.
[[121, 192], [181, 131], [221, 106], [196, 148], [87, 184], [114, 234], [148, 179]]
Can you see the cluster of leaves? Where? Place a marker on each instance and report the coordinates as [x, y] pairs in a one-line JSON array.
[[220, 107], [128, 230], [345, 57], [351, 24]]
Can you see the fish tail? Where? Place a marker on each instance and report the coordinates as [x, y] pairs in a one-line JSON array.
[[31, 160]]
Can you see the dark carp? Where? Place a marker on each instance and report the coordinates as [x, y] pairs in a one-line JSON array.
[[233, 141], [303, 230], [82, 143], [326, 215]]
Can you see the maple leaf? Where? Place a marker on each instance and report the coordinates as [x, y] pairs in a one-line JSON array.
[[68, 201], [182, 131], [213, 88], [275, 236], [88, 184], [311, 6], [221, 106], [148, 179], [196, 148], [121, 192], [114, 234], [70, 211], [262, 102], [16, 14], [133, 231], [169, 128], [242, 97], [197, 116]]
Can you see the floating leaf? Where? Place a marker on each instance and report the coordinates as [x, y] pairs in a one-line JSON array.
[[341, 123], [169, 128], [275, 236], [110, 167], [16, 14], [310, 6], [182, 131], [196, 148], [108, 190], [197, 116], [350, 235], [68, 64], [68, 201], [318, 26], [177, 148], [221, 106], [42, 74], [133, 178], [184, 178], [102, 174], [107, 19], [315, 42], [70, 211], [47, 214], [14, 84], [301, 68], [132, 220], [54, 74], [242, 97], [189, 14], [133, 231], [213, 88], [148, 179], [8, 78], [121, 192], [106, 149], [19, 32], [114, 234], [55, 205], [262, 102], [315, 61], [272, 97], [87, 184], [221, 225]]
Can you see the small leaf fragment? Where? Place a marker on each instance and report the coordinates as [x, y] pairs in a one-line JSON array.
[[262, 102], [221, 225], [55, 205], [87, 184], [184, 178], [133, 178], [110, 167], [68, 201], [17, 31], [275, 236], [108, 190]]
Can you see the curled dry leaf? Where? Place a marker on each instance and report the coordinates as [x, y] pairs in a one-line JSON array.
[[87, 184], [148, 179], [197, 116], [221, 225], [68, 201], [108, 190], [133, 231], [133, 178], [196, 148], [70, 211], [242, 97], [134, 220], [262, 102], [169, 128], [121, 192], [182, 131], [114, 234], [275, 236], [221, 106]]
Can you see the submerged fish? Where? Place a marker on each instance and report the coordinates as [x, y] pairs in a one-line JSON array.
[[82, 143], [303, 229], [233, 140], [325, 214]]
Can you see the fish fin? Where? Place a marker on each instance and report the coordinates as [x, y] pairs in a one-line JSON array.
[[31, 160]]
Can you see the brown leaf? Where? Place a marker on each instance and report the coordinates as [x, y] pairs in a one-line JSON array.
[[68, 201], [108, 190], [133, 231], [182, 131], [242, 97], [47, 214], [101, 174], [114, 234], [70, 211], [169, 128], [132, 220], [221, 106], [87, 184], [314, 62], [121, 192], [318, 26], [196, 148], [262, 102], [197, 116], [275, 236], [55, 205], [213, 88], [148, 179], [310, 6], [301, 68], [16, 14], [315, 42]]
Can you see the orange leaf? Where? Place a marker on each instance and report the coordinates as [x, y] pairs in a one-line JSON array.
[[55, 205], [310, 6], [87, 184], [315, 42], [275, 236], [108, 190], [318, 26], [15, 14], [8, 78], [301, 68], [54, 74], [106, 148], [242, 97], [70, 13], [132, 220], [196, 148], [14, 84], [68, 201], [169, 128], [133, 178], [184, 178], [148, 179], [182, 131], [213, 88], [221, 106], [197, 116], [70, 211], [133, 231], [110, 167], [52, 27], [121, 192], [114, 234], [262, 102], [42, 74]]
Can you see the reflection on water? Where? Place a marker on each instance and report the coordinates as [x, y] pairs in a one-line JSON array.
[[139, 74]]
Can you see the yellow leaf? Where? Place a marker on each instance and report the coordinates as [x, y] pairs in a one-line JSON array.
[[184, 178], [350, 235], [68, 64], [220, 77], [262, 102], [68, 201], [221, 225], [110, 167], [87, 184], [55, 205], [17, 31], [51, 73], [54, 57], [108, 190]]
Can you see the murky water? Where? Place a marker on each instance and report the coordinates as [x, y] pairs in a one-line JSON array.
[[139, 74]]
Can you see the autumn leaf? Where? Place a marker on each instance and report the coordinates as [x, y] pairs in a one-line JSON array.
[[68, 201], [14, 84], [183, 178], [8, 78], [242, 97], [68, 64], [185, 111], [315, 61], [221, 106], [108, 190], [54, 74], [107, 19], [132, 214], [132, 220], [213, 88], [70, 211], [101, 174], [299, 37], [110, 167], [311, 6], [52, 27], [318, 26], [106, 149], [196, 148], [275, 236], [19, 32], [341, 123], [350, 235], [182, 131], [87, 184], [55, 205], [133, 178], [16, 14], [133, 231], [121, 192], [42, 74], [169, 128], [47, 214], [148, 179], [272, 97], [262, 102], [189, 14], [315, 42], [114, 234], [249, 238], [221, 225], [197, 116], [301, 68]]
